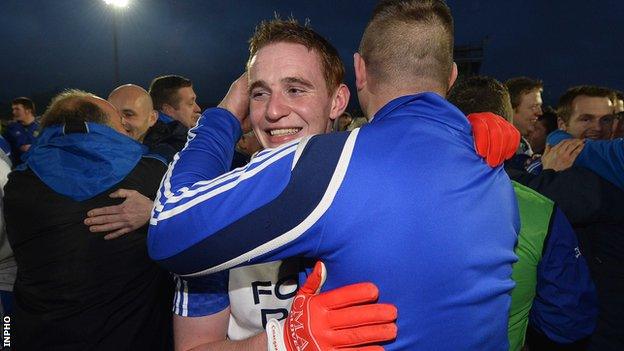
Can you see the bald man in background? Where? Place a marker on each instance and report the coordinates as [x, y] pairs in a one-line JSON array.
[[136, 108]]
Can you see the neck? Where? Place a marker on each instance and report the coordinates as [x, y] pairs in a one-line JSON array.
[[28, 120], [377, 101]]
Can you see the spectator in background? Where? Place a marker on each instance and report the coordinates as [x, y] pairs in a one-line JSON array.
[[74, 290], [174, 99], [546, 124], [342, 122], [357, 123], [587, 111], [24, 129], [553, 292], [246, 147], [136, 108], [526, 101]]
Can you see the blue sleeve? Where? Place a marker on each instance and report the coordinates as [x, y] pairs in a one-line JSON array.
[[201, 296], [557, 136], [17, 135], [206, 220], [565, 305], [605, 158]]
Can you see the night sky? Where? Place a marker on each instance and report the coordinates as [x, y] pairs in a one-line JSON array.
[[49, 45]]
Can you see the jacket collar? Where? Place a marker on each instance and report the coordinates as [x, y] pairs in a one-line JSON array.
[[424, 105]]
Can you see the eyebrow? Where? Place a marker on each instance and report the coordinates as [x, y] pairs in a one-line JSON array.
[[257, 84], [287, 80], [298, 80]]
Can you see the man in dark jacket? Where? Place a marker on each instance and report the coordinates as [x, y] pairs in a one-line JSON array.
[[175, 101], [75, 290]]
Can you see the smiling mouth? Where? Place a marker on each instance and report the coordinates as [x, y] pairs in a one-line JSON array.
[[284, 132], [592, 136]]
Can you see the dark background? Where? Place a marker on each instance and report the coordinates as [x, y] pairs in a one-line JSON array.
[[51, 45]]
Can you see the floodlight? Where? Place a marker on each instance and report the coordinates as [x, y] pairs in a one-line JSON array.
[[117, 3]]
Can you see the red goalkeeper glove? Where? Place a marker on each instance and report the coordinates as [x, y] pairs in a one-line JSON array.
[[496, 140], [342, 319]]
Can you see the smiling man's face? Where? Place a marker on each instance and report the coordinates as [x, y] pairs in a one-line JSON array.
[[591, 118], [288, 94]]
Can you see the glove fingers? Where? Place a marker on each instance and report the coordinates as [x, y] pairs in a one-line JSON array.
[[358, 316], [499, 136], [349, 295], [368, 334], [315, 280], [510, 139]]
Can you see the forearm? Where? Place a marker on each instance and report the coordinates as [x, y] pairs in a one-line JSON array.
[[210, 333], [255, 343]]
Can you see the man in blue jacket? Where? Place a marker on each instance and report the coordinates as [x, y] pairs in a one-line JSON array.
[[445, 272], [21, 133]]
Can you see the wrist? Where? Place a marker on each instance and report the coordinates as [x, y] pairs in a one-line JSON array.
[[275, 335]]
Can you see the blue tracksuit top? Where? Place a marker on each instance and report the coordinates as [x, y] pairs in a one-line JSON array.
[[404, 202]]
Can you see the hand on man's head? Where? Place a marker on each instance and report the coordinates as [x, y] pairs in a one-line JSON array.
[[237, 99]]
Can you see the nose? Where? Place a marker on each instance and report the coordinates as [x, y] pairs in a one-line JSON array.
[[124, 121], [538, 111], [276, 108], [595, 125], [196, 108]]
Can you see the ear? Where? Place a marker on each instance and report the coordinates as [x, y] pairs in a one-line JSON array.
[[340, 100], [168, 109], [152, 118], [453, 76], [561, 124], [360, 71]]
